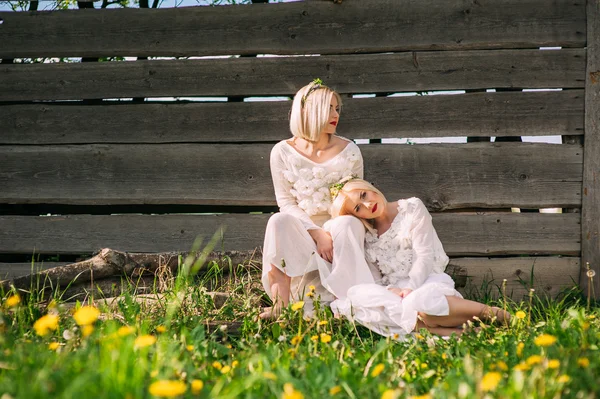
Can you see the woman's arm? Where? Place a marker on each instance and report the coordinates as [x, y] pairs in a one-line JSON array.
[[285, 200], [358, 167], [423, 239]]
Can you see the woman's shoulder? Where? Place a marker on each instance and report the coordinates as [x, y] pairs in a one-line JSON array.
[[411, 205], [345, 142]]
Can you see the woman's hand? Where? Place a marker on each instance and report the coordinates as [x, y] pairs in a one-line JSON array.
[[401, 292], [324, 243]]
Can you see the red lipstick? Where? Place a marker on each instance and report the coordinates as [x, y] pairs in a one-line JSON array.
[[374, 208]]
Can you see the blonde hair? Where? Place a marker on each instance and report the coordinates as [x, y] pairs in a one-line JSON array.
[[338, 205], [310, 111]]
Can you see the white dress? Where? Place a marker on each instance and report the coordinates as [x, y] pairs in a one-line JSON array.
[[409, 255], [302, 193]]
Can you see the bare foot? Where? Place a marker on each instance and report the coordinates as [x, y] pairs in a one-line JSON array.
[[499, 315], [270, 313]]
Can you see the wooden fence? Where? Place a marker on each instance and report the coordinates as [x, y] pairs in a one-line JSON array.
[[101, 148]]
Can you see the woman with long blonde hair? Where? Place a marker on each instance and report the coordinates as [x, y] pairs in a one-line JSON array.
[[402, 242]]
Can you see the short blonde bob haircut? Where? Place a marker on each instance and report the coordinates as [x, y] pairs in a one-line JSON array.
[[310, 111], [339, 204]]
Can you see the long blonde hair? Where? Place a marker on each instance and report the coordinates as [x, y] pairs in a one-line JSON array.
[[338, 205], [310, 110]]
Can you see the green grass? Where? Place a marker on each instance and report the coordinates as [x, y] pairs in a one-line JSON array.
[[331, 357]]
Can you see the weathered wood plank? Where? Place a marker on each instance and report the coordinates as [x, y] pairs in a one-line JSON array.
[[434, 70], [550, 275], [591, 168], [445, 176], [11, 270], [295, 28], [475, 114], [462, 234]]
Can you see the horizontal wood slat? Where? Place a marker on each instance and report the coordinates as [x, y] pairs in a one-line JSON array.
[[434, 70], [445, 176], [461, 234], [475, 114], [550, 275], [295, 28]]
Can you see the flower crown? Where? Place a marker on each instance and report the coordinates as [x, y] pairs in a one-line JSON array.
[[316, 84], [335, 188]]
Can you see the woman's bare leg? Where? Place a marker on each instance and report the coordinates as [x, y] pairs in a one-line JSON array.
[[442, 331], [280, 289], [462, 310]]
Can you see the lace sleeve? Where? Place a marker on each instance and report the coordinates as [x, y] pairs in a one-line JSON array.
[[285, 200], [423, 241]]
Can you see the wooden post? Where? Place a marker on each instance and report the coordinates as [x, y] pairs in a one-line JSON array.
[[590, 206]]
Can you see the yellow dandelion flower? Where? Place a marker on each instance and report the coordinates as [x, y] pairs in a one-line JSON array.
[[553, 363], [270, 376], [490, 381], [292, 352], [310, 294], [161, 329], [585, 326], [426, 396], [520, 315], [167, 388], [297, 306], [520, 347], [197, 386], [314, 338], [144, 340], [563, 379], [217, 365], [87, 330], [545, 340], [583, 362], [125, 331], [153, 373], [234, 364], [189, 348], [86, 315], [225, 369], [424, 365], [45, 324], [325, 338], [323, 323], [390, 394], [13, 301], [312, 287], [502, 365], [377, 370], [335, 390], [534, 359], [53, 346], [289, 392], [419, 336], [296, 339], [522, 366], [444, 356]]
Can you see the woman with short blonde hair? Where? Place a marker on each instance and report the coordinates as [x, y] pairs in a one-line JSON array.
[[302, 251]]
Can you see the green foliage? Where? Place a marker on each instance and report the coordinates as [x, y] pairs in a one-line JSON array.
[[314, 355]]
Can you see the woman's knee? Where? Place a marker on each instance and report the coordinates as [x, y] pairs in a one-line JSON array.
[[346, 224], [428, 321], [280, 221]]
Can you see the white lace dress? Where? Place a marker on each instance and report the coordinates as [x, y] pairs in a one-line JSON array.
[[302, 193], [409, 255]]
